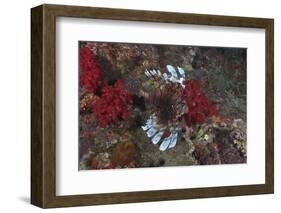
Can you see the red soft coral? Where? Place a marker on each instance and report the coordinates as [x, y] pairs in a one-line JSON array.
[[113, 104], [199, 106], [90, 70]]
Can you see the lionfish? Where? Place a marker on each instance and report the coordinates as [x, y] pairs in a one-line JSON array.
[[167, 105]]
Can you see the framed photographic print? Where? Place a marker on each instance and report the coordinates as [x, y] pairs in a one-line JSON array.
[[136, 106]]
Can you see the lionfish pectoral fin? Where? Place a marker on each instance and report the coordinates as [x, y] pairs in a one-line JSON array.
[[173, 140], [165, 144], [149, 123], [146, 127], [147, 73], [165, 76], [181, 72], [181, 82], [151, 132], [172, 70], [157, 137], [159, 73]]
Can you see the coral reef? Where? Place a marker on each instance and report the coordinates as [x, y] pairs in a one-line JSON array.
[[149, 105]]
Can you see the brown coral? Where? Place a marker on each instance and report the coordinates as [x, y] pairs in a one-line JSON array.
[[123, 154]]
